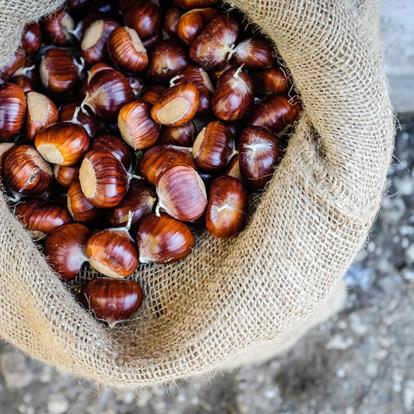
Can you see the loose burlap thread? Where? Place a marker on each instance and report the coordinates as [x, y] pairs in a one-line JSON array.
[[229, 296]]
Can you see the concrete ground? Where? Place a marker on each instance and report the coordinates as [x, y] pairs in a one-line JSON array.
[[361, 361]]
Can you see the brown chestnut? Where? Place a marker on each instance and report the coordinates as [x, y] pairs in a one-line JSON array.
[[233, 97], [215, 44], [4, 148], [233, 169], [31, 38], [94, 40], [171, 18], [177, 105], [139, 201], [72, 112], [255, 53], [78, 205], [259, 153], [227, 207], [24, 82], [181, 193], [193, 22], [182, 136], [136, 125], [108, 90], [143, 16], [64, 249], [126, 50], [12, 110], [63, 143], [103, 179], [273, 80], [26, 172], [275, 113], [112, 300], [41, 112], [98, 67], [58, 28], [163, 239], [115, 146], [41, 217], [65, 176], [112, 253], [213, 147], [59, 70], [152, 93], [16, 63], [167, 59], [192, 4], [160, 158]]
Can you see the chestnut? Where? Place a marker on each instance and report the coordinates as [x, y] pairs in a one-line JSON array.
[[152, 93], [126, 50], [162, 239], [65, 176], [215, 44], [41, 112], [113, 253], [217, 72], [63, 143], [58, 28], [198, 76], [167, 59], [136, 125], [182, 136], [181, 193], [160, 158], [78, 205], [193, 22], [59, 70], [213, 147], [41, 217], [192, 4], [273, 80], [255, 53], [137, 85], [24, 82], [227, 207], [275, 113], [31, 38], [26, 172], [259, 153], [12, 110], [103, 179], [112, 300], [64, 249], [115, 146], [233, 169], [171, 18], [17, 62], [72, 112], [4, 148], [98, 67], [143, 16], [108, 90], [233, 97], [94, 40], [177, 105]]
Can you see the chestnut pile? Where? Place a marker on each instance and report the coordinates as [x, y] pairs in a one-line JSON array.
[[126, 125]]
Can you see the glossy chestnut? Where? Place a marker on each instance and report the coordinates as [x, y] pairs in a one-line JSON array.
[[259, 154], [78, 205], [93, 45], [193, 22], [192, 4], [233, 97], [171, 18], [12, 110], [65, 176], [182, 136], [58, 28], [273, 80], [41, 112], [63, 143], [41, 217], [255, 53], [167, 59], [181, 193], [26, 172], [115, 146], [152, 93], [213, 147], [275, 113], [4, 148], [143, 16], [163, 240], [64, 249], [103, 179], [177, 105], [31, 38], [136, 126], [17, 62], [24, 82], [112, 300], [72, 112], [233, 169]]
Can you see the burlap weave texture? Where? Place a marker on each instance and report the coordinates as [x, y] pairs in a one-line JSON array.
[[230, 295]]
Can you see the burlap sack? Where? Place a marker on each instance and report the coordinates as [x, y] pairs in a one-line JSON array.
[[229, 297]]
